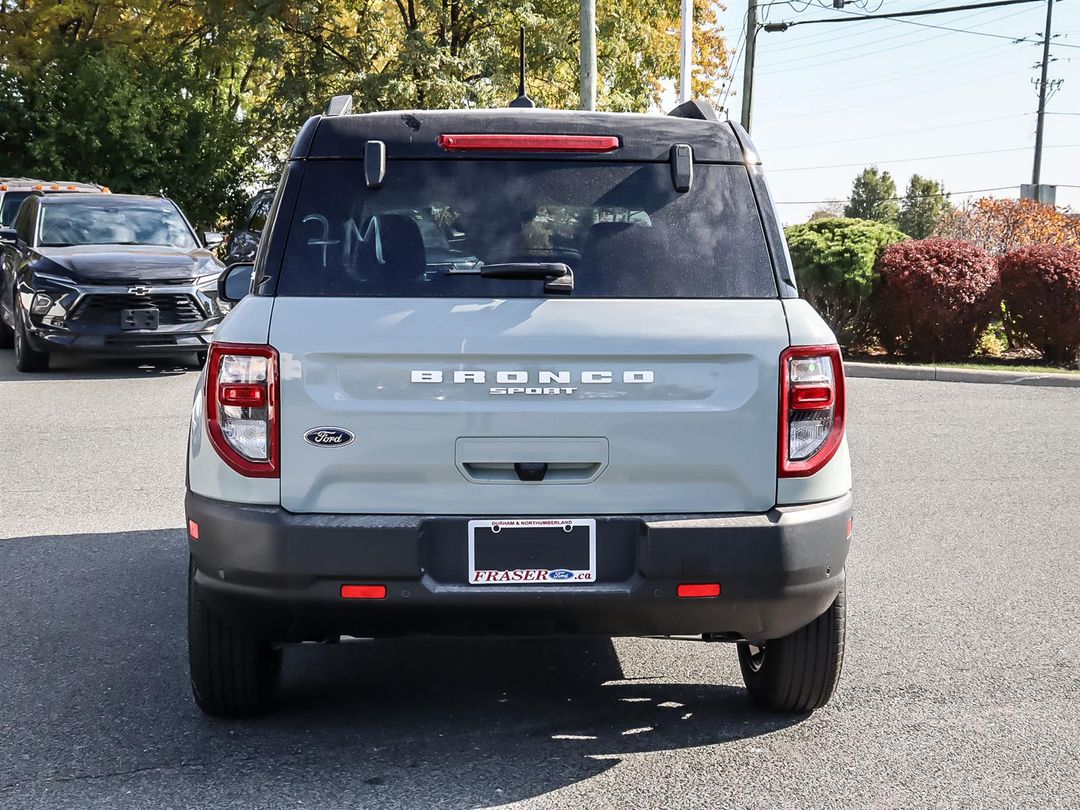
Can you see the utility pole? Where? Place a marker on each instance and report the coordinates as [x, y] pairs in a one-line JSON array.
[[748, 65], [1036, 171], [587, 19], [686, 53]]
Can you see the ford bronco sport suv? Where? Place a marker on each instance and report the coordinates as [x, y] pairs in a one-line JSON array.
[[519, 372]]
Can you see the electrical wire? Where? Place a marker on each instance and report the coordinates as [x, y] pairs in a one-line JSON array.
[[899, 199], [817, 41], [901, 75], [892, 99], [873, 49], [916, 159], [733, 66], [918, 131]]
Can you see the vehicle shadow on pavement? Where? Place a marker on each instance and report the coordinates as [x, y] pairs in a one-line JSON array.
[[96, 700], [66, 367]]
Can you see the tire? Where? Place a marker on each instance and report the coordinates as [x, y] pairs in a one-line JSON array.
[[26, 358], [233, 673], [200, 359], [799, 672]]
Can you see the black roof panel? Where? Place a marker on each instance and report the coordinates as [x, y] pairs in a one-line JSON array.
[[415, 133]]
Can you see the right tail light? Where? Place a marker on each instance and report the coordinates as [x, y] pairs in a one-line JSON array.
[[242, 407], [812, 408]]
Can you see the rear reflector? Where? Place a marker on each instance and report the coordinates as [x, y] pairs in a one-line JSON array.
[[699, 590], [529, 143], [243, 396], [363, 591], [193, 529], [847, 531]]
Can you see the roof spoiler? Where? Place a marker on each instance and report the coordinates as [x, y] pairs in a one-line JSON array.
[[340, 105], [700, 110]]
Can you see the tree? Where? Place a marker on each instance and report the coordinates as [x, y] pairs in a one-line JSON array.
[[834, 261], [829, 210], [130, 122], [922, 207], [999, 226], [873, 196], [258, 68]]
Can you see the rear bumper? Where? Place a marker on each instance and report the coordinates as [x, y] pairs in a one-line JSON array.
[[281, 574]]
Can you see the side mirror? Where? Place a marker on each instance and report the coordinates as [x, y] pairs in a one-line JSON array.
[[212, 239], [8, 236], [235, 282]]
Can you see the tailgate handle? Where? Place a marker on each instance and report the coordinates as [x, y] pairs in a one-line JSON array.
[[531, 460], [495, 472]]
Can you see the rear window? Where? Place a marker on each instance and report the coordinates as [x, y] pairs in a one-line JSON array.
[[9, 206], [434, 224]]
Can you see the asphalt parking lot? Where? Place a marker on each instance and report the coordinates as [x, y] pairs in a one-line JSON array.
[[961, 686]]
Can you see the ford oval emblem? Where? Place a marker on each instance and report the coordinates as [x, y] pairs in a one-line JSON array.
[[560, 573], [329, 437]]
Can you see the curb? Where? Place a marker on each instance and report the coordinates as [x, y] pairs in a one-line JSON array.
[[890, 371]]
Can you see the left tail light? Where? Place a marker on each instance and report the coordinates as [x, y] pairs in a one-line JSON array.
[[812, 408], [242, 407]]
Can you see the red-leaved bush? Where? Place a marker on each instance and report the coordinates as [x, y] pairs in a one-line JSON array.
[[935, 298], [1041, 287]]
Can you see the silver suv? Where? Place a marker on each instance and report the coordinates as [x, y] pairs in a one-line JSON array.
[[519, 372]]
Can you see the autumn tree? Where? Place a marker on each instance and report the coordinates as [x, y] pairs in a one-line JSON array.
[[922, 207], [999, 226], [873, 196], [239, 78]]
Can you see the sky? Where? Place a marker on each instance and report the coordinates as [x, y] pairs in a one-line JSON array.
[[958, 107]]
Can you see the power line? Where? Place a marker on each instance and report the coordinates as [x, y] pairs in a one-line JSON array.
[[895, 15], [902, 75], [898, 17], [918, 131], [874, 50], [892, 99], [900, 199], [830, 38], [916, 159]]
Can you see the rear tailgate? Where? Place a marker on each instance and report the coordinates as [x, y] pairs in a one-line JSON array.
[[686, 424]]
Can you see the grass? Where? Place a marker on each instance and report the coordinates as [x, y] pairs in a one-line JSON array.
[[990, 364]]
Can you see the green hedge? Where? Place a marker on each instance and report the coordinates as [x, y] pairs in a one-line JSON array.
[[834, 263]]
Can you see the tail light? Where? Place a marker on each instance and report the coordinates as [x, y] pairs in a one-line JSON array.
[[812, 408], [242, 407]]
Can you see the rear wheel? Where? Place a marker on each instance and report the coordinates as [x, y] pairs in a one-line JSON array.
[[233, 673], [797, 673], [27, 358]]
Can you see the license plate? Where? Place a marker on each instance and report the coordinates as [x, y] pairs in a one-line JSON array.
[[532, 551], [139, 318]]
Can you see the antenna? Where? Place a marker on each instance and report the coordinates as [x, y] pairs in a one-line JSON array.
[[523, 99]]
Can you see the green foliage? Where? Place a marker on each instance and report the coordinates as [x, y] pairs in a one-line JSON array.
[[873, 196], [923, 206], [108, 90], [834, 262]]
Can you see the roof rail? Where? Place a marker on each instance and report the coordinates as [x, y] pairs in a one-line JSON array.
[[340, 105], [701, 110]]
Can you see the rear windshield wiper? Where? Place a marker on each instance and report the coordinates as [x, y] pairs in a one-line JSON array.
[[558, 277]]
